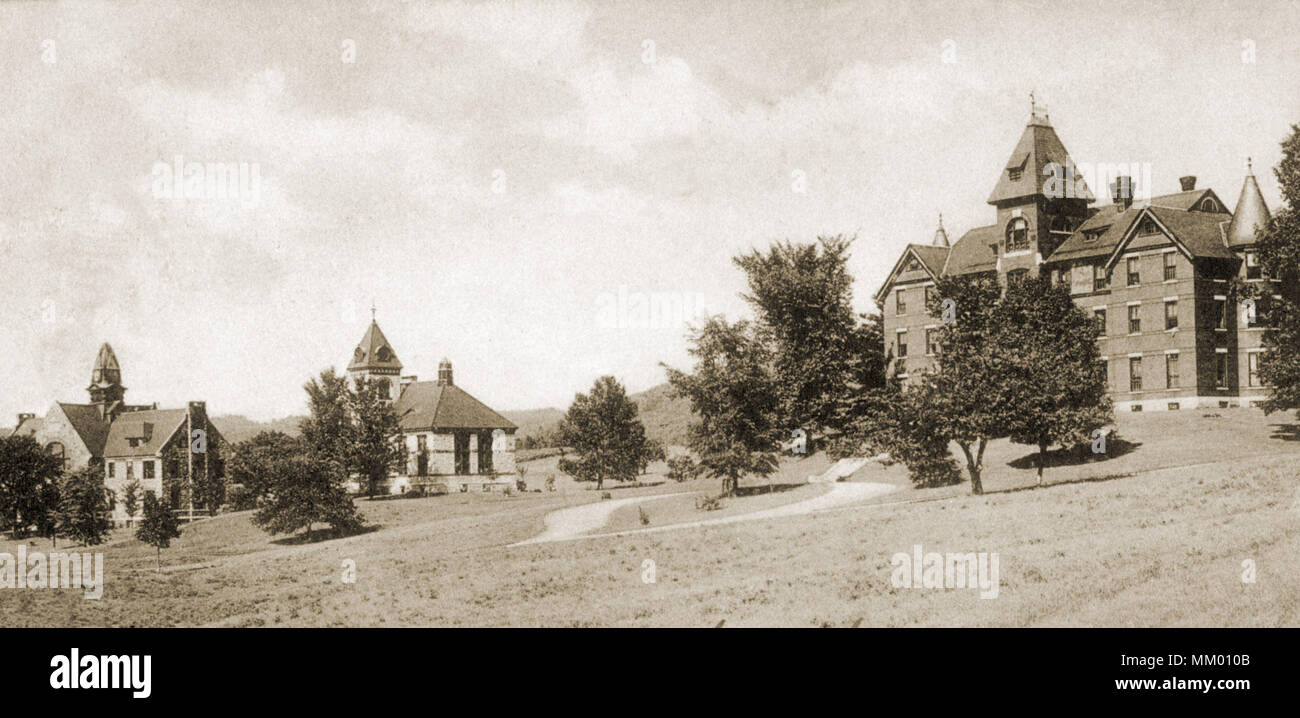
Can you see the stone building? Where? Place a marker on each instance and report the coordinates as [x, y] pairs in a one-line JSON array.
[[453, 441], [1157, 274], [130, 442]]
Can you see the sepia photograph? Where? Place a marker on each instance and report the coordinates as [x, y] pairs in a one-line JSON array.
[[650, 314]]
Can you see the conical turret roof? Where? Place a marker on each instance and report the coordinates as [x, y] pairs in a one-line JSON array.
[[940, 236], [1251, 212], [374, 352]]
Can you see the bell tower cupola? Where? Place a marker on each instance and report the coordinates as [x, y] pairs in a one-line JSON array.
[[374, 358], [106, 380]]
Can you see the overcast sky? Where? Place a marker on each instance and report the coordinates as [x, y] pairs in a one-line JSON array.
[[494, 177]]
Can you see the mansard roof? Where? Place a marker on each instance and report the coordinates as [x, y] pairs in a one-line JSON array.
[[428, 405]]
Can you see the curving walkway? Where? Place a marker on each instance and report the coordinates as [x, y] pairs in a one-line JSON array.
[[577, 521], [561, 525]]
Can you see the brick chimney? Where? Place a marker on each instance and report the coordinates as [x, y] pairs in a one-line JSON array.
[[1121, 191], [1188, 182], [444, 373]]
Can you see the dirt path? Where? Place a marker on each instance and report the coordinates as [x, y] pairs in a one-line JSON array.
[[577, 521], [841, 494]]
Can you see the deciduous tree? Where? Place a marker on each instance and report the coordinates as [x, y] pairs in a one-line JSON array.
[[605, 432]]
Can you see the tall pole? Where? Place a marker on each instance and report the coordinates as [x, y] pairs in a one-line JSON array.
[[189, 459]]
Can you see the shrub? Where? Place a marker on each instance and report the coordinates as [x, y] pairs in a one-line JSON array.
[[683, 468], [550, 482], [606, 495], [708, 503]]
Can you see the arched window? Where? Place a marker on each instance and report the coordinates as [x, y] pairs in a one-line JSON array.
[[1061, 223], [56, 449], [1209, 205], [359, 355], [1017, 234], [384, 354]]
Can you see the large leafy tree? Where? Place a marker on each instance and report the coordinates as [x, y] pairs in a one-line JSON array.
[[252, 461], [904, 425], [608, 437], [733, 392], [328, 427], [803, 295], [967, 387], [373, 443], [1055, 385], [83, 509], [306, 489], [1279, 254], [26, 473]]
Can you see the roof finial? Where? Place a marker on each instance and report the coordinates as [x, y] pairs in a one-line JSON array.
[[372, 310], [1249, 169], [941, 220]]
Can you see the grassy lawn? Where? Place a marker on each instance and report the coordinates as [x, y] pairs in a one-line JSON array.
[[1147, 548]]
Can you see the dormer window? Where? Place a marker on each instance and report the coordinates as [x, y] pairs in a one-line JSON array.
[[1061, 224], [1014, 174], [359, 355], [1017, 234], [384, 354], [1147, 227], [1209, 205]]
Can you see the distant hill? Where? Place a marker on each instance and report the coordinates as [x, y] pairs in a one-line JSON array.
[[665, 418], [236, 428]]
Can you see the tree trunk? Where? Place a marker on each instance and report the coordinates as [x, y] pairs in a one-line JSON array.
[[158, 565], [973, 467], [1042, 459]]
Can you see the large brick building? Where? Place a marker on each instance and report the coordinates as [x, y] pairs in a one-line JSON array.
[[453, 441], [1155, 272], [130, 442]]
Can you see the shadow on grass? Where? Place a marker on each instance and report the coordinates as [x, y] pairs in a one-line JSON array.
[[320, 535], [1048, 483], [1078, 456], [1285, 432]]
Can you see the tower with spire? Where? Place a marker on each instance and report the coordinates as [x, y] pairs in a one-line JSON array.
[[1039, 198], [374, 358], [106, 390]]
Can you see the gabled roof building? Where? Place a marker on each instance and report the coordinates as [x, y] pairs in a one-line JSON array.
[[129, 442], [1155, 272], [453, 441]]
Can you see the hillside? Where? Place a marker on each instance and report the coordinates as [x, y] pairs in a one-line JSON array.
[[236, 427], [666, 419]]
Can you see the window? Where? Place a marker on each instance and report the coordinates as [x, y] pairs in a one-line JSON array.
[[931, 342], [1061, 224], [1099, 278], [1252, 312], [1252, 369], [1134, 277], [1135, 373], [130, 470], [1014, 173], [1056, 276], [1147, 227], [462, 452], [1209, 205], [1017, 234], [1134, 319], [1171, 371], [902, 344], [1017, 276], [112, 469], [1171, 314], [1220, 314], [1221, 370], [148, 468], [900, 304], [1171, 266], [1105, 373], [421, 455], [1252, 266], [929, 296], [1100, 315]]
